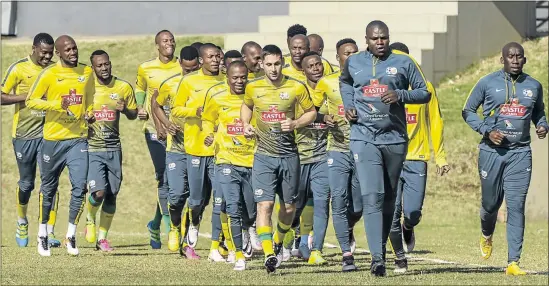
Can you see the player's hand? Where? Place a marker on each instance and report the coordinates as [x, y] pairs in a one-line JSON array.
[[90, 117], [541, 131], [142, 114], [441, 170], [329, 120], [496, 137], [65, 102], [121, 105], [287, 125], [208, 141], [351, 115], [161, 133], [249, 130], [172, 129], [389, 97], [199, 112]]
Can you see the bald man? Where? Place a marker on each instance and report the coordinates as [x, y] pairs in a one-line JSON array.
[[510, 99], [65, 92]]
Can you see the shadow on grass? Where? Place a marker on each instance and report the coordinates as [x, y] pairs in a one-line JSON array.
[[462, 269], [131, 245], [423, 251]]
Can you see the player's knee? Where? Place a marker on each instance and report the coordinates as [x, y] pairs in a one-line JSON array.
[[321, 208], [373, 201], [412, 218], [26, 186], [98, 196], [265, 208], [23, 195], [490, 207], [233, 210]]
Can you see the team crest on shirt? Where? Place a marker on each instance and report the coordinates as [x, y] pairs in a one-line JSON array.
[[114, 96], [391, 71], [284, 95], [81, 78], [527, 93]]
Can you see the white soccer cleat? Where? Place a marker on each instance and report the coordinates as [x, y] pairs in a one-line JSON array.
[[254, 239], [286, 254], [231, 258], [240, 265], [215, 256], [247, 248], [192, 236], [43, 246], [70, 244]]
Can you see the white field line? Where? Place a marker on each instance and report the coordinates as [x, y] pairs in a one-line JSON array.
[[332, 246]]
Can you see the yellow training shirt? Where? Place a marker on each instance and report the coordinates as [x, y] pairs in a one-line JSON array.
[[328, 67], [166, 95], [57, 82]]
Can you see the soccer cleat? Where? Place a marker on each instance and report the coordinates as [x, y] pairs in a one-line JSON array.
[[254, 239], [70, 244], [154, 236], [240, 265], [486, 246], [215, 256], [103, 245], [286, 253], [514, 269], [349, 264], [188, 252], [401, 265], [54, 242], [352, 241], [295, 248], [231, 258], [279, 255], [22, 234], [247, 250], [43, 246], [409, 239], [378, 268], [89, 231], [271, 263], [173, 239], [192, 235], [316, 258]]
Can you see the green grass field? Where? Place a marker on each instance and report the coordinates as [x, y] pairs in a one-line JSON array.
[[447, 238]]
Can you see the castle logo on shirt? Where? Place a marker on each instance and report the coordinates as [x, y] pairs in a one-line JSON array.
[[237, 128], [273, 115], [513, 109], [374, 89], [74, 99], [105, 114], [411, 118], [341, 110]]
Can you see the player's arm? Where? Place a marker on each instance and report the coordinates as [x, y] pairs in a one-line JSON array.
[[309, 110], [140, 87], [246, 111], [436, 127], [319, 98], [346, 88], [210, 117], [180, 108], [469, 112], [538, 115], [418, 94], [159, 99], [89, 94], [39, 88], [130, 106], [9, 82]]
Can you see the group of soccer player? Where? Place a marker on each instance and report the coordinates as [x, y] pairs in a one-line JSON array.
[[259, 132]]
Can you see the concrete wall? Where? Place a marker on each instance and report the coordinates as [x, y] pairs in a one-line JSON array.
[[138, 18]]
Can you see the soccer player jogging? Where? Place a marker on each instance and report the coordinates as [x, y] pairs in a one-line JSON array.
[[510, 99], [317, 45], [374, 86], [188, 104], [424, 124], [113, 96], [150, 75], [234, 156], [344, 189], [293, 31], [176, 158], [273, 100], [68, 89], [251, 54], [299, 45], [27, 131], [314, 188]]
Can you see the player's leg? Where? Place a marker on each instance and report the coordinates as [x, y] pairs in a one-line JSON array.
[[354, 211], [53, 241], [490, 168], [26, 152], [97, 184], [249, 213], [395, 236], [51, 164], [197, 173], [114, 167], [77, 163], [288, 176], [175, 174], [516, 181], [264, 183], [413, 196], [157, 151], [321, 193], [303, 218], [339, 175], [215, 255]]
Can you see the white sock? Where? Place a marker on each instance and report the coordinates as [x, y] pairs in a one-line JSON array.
[[42, 230], [71, 231], [22, 220], [50, 228]]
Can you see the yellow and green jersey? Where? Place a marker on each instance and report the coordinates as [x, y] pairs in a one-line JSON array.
[[150, 75], [56, 83], [223, 109], [312, 139], [271, 106], [424, 122], [166, 95], [104, 133], [293, 72], [27, 123], [254, 75], [327, 92], [191, 95]]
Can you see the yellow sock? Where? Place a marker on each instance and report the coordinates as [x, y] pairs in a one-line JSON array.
[[184, 223], [104, 224], [265, 234], [226, 232], [92, 207], [281, 230], [53, 212], [21, 209], [240, 255], [306, 219], [215, 245]]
